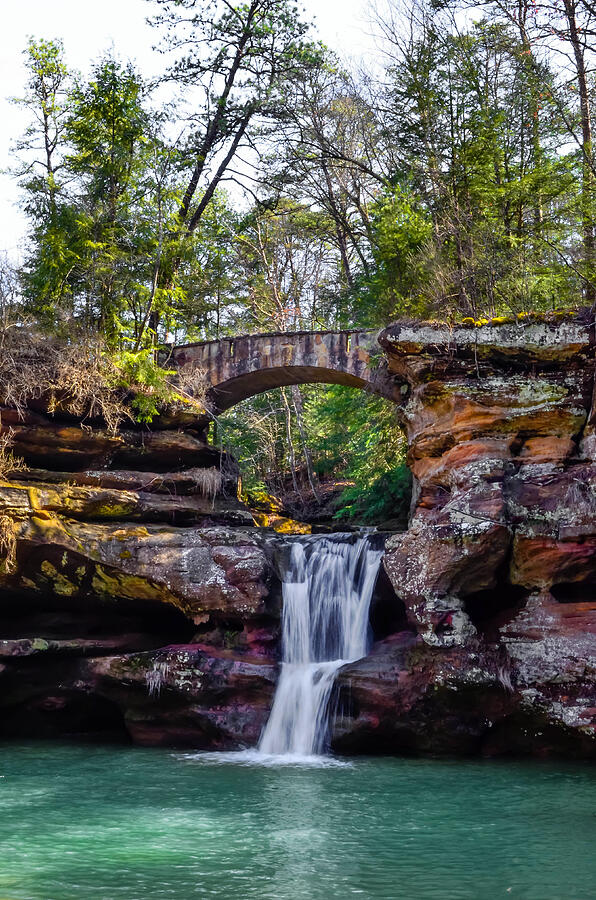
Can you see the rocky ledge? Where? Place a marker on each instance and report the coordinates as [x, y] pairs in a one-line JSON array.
[[138, 601]]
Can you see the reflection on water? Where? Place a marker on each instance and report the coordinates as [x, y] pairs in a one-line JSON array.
[[87, 823], [299, 843]]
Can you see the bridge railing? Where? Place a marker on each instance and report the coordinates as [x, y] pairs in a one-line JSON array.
[[275, 334]]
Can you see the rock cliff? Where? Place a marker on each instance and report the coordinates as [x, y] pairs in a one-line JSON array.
[[138, 600], [497, 569]]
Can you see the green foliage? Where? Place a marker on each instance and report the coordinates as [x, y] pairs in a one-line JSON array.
[[353, 438], [83, 259], [208, 276], [401, 230], [383, 500], [150, 384], [253, 432], [356, 436], [38, 152], [284, 268]]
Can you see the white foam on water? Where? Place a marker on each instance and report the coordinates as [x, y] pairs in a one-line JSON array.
[[256, 758]]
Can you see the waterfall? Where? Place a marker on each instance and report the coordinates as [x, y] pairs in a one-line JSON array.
[[327, 589]]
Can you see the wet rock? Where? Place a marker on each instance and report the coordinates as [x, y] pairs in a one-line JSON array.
[[180, 695], [111, 504], [173, 484], [45, 443], [409, 697], [187, 696], [197, 570], [122, 545], [23, 647]]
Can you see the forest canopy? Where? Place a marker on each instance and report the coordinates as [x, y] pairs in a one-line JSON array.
[[263, 183]]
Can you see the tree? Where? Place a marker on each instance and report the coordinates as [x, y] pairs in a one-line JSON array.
[[94, 250], [211, 275], [240, 61], [333, 159], [460, 106], [573, 25], [556, 51], [287, 266], [107, 133], [40, 148], [11, 307]]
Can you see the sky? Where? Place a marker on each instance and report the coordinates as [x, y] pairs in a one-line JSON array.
[[87, 29]]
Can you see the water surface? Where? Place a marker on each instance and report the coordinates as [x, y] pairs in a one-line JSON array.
[[100, 823]]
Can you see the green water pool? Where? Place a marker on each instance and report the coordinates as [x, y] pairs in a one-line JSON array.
[[100, 823]]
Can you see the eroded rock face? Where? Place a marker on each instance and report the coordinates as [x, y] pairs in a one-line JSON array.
[[142, 603], [498, 567], [189, 695]]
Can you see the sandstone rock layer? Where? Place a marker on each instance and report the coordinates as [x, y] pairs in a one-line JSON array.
[[137, 601]]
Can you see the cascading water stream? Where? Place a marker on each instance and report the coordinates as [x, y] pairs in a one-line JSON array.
[[327, 590]]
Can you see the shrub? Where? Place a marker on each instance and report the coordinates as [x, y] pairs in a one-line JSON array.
[[81, 377]]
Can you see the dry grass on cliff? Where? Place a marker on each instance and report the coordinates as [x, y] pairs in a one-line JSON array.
[[209, 482], [191, 381], [78, 378], [9, 463], [8, 545]]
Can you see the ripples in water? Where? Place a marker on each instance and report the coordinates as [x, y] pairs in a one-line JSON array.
[[97, 823]]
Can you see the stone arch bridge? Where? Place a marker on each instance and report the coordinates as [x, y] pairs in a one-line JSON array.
[[240, 367]]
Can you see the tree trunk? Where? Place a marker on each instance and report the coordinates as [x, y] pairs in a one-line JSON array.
[[291, 453], [297, 401], [587, 158]]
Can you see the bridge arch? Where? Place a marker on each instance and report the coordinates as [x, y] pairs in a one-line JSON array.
[[240, 367]]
